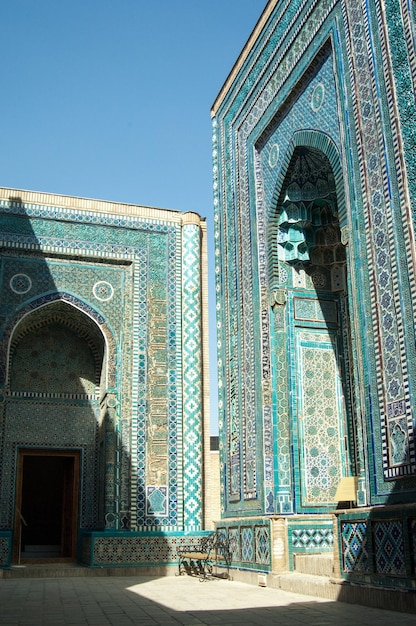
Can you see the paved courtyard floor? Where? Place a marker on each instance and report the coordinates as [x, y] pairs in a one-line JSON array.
[[172, 601]]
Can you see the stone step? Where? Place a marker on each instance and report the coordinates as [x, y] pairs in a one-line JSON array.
[[71, 570], [42, 551], [332, 588], [43, 571], [315, 564], [343, 591]]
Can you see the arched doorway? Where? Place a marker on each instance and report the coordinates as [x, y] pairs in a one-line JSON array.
[[53, 430], [313, 331]]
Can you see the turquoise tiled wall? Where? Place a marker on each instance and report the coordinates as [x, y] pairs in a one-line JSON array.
[[328, 81], [101, 334]]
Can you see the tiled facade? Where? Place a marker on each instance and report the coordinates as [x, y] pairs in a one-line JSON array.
[[103, 356], [315, 204]]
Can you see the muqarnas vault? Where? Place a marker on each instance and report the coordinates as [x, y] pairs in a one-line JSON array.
[[315, 199], [102, 366]]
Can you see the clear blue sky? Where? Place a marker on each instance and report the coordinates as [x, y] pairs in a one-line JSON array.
[[111, 100]]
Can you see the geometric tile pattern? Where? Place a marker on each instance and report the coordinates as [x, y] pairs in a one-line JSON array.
[[312, 538], [156, 383], [355, 546], [389, 548], [237, 285], [37, 378], [5, 551], [375, 545], [332, 77], [125, 284], [156, 501], [262, 541], [247, 544], [235, 544], [250, 543], [383, 252], [36, 313], [131, 549], [412, 530], [156, 420], [192, 387], [320, 406], [36, 424], [283, 456], [277, 93]]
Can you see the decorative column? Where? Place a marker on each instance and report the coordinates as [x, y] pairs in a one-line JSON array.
[[111, 463], [192, 372], [280, 551], [280, 394]]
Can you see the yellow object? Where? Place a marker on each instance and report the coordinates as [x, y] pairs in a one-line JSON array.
[[347, 489]]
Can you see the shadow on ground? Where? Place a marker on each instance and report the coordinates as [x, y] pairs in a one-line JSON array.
[[172, 600]]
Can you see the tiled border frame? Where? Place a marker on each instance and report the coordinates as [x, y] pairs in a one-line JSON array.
[[111, 251]]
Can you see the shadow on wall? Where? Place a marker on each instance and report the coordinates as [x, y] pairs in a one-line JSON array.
[[378, 547], [64, 470], [382, 575]]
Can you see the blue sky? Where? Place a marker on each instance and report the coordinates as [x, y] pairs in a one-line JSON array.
[[111, 100]]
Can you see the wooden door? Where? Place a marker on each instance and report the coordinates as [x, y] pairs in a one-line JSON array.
[[46, 519]]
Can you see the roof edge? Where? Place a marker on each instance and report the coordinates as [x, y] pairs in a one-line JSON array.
[[89, 204], [243, 55]]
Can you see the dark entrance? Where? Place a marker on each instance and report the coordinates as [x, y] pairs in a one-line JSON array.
[[47, 505]]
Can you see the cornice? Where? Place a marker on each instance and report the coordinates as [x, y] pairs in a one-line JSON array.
[[243, 55]]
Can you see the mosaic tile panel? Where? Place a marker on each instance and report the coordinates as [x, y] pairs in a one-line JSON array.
[[156, 501], [355, 544], [226, 225], [341, 96], [389, 551], [158, 340], [110, 263], [138, 388], [312, 538], [74, 375], [110, 463], [344, 72], [262, 542], [247, 544], [320, 429], [250, 543], [5, 550], [101, 287], [382, 250], [38, 306], [412, 532], [379, 545], [235, 545], [138, 550], [316, 310], [282, 433], [32, 424], [192, 367], [402, 112]]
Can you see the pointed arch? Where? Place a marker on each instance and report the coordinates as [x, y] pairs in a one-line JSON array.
[[71, 312], [321, 142], [311, 335]]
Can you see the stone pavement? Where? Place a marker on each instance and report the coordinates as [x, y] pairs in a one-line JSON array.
[[171, 600]]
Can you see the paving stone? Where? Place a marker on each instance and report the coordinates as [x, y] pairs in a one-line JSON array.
[[123, 601]]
